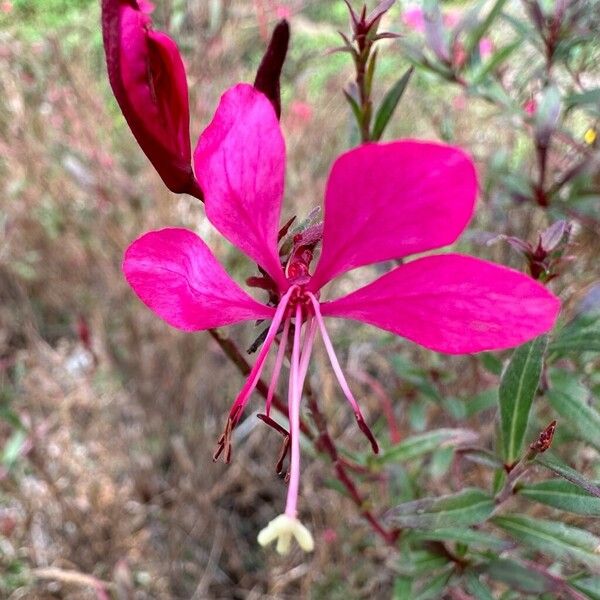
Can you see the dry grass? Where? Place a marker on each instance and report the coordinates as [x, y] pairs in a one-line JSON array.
[[114, 491]]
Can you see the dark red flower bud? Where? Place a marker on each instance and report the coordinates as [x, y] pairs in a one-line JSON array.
[[148, 78], [269, 71]]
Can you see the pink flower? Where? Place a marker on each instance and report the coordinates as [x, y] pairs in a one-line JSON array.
[[148, 79], [302, 111], [283, 12], [486, 47], [383, 201], [414, 18], [530, 106]]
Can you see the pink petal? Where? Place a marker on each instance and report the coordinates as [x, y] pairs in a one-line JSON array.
[[176, 275], [387, 201], [413, 18], [454, 304], [240, 163]]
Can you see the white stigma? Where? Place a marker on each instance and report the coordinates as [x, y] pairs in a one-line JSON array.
[[282, 529]]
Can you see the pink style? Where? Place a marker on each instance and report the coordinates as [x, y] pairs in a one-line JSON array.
[[382, 202]]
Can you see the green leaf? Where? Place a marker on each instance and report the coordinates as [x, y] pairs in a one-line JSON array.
[[484, 26], [418, 562], [491, 362], [582, 334], [583, 98], [564, 496], [434, 586], [570, 399], [568, 473], [12, 448], [417, 445], [402, 588], [517, 576], [494, 62], [482, 401], [517, 390], [356, 111], [370, 74], [469, 537], [465, 508], [389, 104], [553, 538], [477, 588], [590, 586]]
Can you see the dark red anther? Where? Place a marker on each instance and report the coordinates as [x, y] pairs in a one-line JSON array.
[[286, 440], [224, 443], [368, 433]]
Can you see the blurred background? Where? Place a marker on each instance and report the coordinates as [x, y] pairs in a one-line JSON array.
[[109, 418]]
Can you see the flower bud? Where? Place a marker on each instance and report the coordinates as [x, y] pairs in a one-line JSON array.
[[148, 79]]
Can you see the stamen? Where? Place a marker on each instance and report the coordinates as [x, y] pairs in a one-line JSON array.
[[340, 375], [224, 443], [253, 377], [277, 367], [286, 440]]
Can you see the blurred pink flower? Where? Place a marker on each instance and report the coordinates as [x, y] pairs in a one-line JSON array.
[[329, 536], [6, 7], [414, 18], [283, 12], [302, 111], [530, 106], [486, 47], [382, 202], [148, 79], [459, 102], [451, 18]]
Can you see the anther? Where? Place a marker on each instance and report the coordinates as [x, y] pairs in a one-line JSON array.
[[362, 425]]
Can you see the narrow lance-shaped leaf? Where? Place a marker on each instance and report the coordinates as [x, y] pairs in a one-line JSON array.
[[589, 586], [517, 390], [553, 538], [418, 445], [517, 576], [461, 535], [571, 400], [468, 507], [563, 495], [568, 473], [356, 111], [476, 587], [389, 104], [582, 334]]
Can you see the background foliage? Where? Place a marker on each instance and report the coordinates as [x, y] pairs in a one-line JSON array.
[[108, 418]]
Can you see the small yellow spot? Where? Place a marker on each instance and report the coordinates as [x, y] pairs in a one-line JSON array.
[[590, 136]]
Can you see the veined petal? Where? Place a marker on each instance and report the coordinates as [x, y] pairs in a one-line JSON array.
[[175, 274], [387, 201], [453, 304], [240, 164]]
